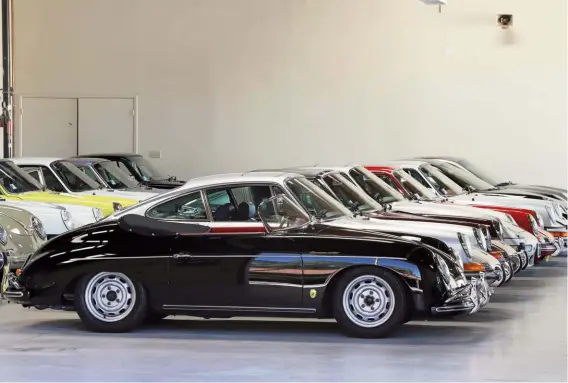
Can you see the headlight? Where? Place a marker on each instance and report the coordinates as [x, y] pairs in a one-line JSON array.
[[539, 220], [98, 214], [557, 208], [480, 238], [38, 227], [67, 219], [466, 244], [117, 206], [550, 212]]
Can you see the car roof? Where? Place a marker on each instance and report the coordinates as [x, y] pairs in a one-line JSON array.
[[248, 177], [108, 155], [86, 160], [410, 163], [447, 158], [35, 160], [304, 171]]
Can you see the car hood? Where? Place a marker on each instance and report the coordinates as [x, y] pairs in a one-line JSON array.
[[433, 208], [101, 202]]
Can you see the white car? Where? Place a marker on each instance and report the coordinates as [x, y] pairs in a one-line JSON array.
[[57, 219], [62, 176]]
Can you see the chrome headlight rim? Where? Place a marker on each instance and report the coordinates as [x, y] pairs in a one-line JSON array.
[[458, 258], [557, 208], [466, 245], [533, 223], [540, 220], [97, 214], [38, 228]]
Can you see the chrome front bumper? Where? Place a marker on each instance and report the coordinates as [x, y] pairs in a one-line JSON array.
[[467, 299]]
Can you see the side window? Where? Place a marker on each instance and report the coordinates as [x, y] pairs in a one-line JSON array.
[[187, 207], [418, 177], [33, 171], [237, 204], [123, 167], [387, 179]]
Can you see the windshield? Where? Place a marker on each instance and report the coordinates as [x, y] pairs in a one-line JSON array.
[[114, 176], [413, 187], [348, 194], [463, 178], [440, 181], [489, 178], [15, 180], [144, 168], [75, 180], [317, 202], [378, 189]]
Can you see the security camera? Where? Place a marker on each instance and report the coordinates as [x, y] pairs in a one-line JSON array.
[[505, 21]]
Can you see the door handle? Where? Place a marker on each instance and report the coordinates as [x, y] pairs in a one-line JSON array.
[[181, 256]]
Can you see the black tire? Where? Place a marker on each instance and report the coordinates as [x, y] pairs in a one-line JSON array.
[[155, 317], [134, 319], [394, 317], [526, 263]]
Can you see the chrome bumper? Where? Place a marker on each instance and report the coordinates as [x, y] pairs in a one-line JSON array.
[[468, 299]]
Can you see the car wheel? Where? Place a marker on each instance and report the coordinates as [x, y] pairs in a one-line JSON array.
[[516, 264], [508, 271], [370, 302], [110, 302], [155, 317], [524, 260], [502, 277]]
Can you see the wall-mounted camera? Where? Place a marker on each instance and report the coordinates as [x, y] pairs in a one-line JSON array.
[[505, 21]]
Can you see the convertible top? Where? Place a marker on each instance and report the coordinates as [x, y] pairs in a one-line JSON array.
[[153, 228]]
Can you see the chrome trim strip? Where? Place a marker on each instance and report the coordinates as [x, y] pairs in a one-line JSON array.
[[239, 308]]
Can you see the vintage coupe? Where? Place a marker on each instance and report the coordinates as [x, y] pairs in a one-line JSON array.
[[17, 184], [371, 283], [140, 169], [58, 174], [109, 175], [21, 233], [501, 184]]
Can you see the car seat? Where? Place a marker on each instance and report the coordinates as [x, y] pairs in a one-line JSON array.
[[224, 212], [245, 211]]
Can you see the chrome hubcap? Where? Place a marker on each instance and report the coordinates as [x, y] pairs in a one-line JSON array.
[[110, 297], [507, 269], [368, 301]]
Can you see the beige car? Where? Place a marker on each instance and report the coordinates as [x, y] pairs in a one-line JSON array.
[[21, 233]]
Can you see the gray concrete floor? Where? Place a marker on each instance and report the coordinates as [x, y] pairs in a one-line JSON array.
[[520, 336]]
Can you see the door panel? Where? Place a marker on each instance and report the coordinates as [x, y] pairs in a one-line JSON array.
[[49, 127], [229, 272], [106, 125]]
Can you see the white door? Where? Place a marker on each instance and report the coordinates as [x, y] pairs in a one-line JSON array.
[[49, 127], [106, 125]]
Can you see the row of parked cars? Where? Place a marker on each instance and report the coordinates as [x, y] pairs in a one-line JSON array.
[[371, 246]]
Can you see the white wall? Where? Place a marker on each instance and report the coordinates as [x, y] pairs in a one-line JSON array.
[[231, 85]]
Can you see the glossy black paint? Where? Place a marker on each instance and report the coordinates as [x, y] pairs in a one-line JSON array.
[[208, 274]]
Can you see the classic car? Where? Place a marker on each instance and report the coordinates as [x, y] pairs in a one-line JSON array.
[[516, 221], [17, 184], [388, 196], [21, 233], [549, 191], [446, 234], [140, 169], [60, 175], [440, 183], [56, 219], [232, 199], [109, 175], [370, 283]]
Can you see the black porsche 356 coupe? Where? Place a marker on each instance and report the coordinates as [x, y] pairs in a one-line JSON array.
[[119, 273]]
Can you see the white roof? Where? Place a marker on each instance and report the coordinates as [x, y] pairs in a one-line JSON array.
[[35, 160], [407, 163], [250, 177]]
